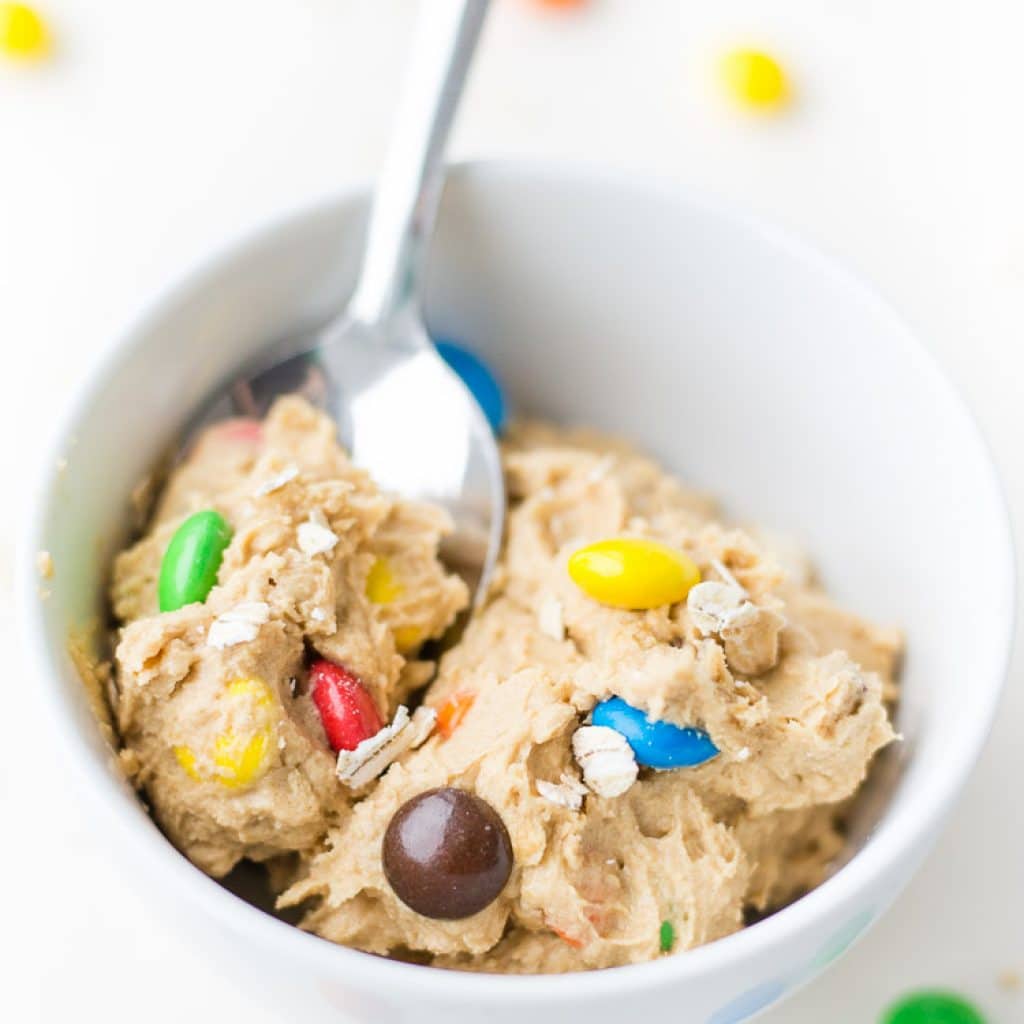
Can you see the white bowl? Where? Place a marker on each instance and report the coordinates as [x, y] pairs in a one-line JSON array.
[[746, 362]]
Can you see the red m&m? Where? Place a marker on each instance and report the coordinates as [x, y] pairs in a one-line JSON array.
[[346, 708]]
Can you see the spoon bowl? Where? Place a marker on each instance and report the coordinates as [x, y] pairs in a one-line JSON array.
[[401, 413]]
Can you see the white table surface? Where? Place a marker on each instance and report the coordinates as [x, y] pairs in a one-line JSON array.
[[164, 127]]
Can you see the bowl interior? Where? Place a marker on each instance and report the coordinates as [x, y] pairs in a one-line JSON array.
[[745, 363]]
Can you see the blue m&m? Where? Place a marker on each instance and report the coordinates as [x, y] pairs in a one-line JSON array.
[[478, 378], [655, 744]]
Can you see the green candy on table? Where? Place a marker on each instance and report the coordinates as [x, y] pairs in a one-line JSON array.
[[932, 1007], [666, 936], [192, 560]]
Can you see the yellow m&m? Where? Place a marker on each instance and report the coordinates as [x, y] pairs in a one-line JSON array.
[[626, 572], [23, 33], [408, 638], [754, 79], [237, 757], [382, 586]]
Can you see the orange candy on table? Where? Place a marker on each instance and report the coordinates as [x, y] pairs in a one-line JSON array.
[[559, 4]]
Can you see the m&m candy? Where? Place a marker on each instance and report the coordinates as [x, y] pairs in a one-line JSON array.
[[447, 854], [242, 430], [237, 757], [346, 708], [192, 560], [23, 32], [754, 80], [382, 586], [560, 4], [408, 638], [932, 1007], [655, 744], [451, 713], [479, 379], [627, 572]]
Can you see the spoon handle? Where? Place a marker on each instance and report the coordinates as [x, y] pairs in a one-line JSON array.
[[409, 188]]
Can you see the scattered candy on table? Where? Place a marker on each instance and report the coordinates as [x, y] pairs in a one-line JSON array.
[[347, 710], [666, 937], [236, 759], [655, 744], [451, 713], [626, 572], [382, 586], [932, 1007], [23, 32], [559, 4], [477, 376], [192, 560], [754, 80], [447, 854]]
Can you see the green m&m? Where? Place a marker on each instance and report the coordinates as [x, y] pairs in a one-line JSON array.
[[189, 568], [932, 1007]]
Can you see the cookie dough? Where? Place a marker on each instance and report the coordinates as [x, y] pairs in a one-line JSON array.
[[792, 691], [213, 699]]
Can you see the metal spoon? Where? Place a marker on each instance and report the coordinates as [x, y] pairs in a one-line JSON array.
[[401, 412]]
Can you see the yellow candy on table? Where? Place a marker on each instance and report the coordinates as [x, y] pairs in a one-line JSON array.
[[626, 572], [754, 79], [23, 33], [237, 759], [382, 587]]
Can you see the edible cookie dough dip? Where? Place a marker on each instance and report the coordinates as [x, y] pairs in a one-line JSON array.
[[652, 727], [271, 617]]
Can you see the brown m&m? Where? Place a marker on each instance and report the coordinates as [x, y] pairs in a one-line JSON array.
[[447, 854]]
